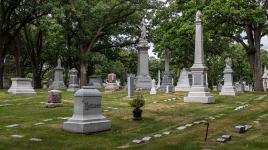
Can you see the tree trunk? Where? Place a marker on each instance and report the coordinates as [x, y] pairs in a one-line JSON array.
[[1, 68], [254, 50], [17, 60], [37, 80], [257, 67]]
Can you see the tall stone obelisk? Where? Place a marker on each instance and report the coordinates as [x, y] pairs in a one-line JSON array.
[[144, 80], [167, 78], [199, 92]]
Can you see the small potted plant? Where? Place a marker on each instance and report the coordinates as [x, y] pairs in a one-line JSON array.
[[137, 103]]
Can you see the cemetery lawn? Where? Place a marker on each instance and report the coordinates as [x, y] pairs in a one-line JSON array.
[[158, 116]]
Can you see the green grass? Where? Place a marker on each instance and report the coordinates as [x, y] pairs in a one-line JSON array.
[[157, 117]]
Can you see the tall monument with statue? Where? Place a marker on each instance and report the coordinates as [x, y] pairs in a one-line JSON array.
[[144, 80]]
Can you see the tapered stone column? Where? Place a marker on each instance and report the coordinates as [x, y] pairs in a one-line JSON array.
[[167, 78], [199, 92], [228, 87], [143, 78]]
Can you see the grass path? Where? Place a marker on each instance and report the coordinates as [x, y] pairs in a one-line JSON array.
[[160, 114]]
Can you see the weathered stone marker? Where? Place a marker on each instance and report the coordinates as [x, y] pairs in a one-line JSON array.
[[58, 83], [96, 81], [87, 116], [199, 91], [21, 86], [228, 87], [130, 86], [54, 99], [183, 82], [73, 80], [112, 84], [153, 89], [143, 77]]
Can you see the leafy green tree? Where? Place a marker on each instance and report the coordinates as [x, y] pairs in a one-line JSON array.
[[96, 22], [174, 29], [14, 15], [264, 58], [244, 21], [43, 41]]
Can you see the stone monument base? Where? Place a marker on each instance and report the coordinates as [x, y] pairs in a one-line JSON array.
[[80, 125], [57, 85], [163, 88], [111, 86], [73, 88], [53, 105], [23, 92], [182, 88], [228, 90], [144, 83], [166, 81], [199, 95], [198, 99], [21, 86]]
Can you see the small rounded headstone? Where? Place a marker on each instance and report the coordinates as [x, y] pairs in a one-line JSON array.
[[54, 98]]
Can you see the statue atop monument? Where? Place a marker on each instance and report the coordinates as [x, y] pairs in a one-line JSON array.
[[198, 16], [228, 62], [143, 30], [59, 62]]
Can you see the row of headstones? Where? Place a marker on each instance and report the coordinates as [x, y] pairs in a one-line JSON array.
[[23, 86]]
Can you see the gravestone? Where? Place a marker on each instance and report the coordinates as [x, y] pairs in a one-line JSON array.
[[130, 86], [265, 79], [73, 80], [95, 80], [219, 86], [54, 99], [214, 88], [228, 86], [112, 83], [183, 82], [159, 80], [44, 84], [239, 86], [199, 92], [153, 89], [167, 78], [118, 83], [87, 116], [6, 82], [143, 77], [58, 83], [21, 86]]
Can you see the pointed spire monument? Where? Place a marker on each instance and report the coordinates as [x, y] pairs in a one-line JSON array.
[[199, 92]]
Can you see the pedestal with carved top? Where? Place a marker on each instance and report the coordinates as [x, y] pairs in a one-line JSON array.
[[21, 86], [87, 116]]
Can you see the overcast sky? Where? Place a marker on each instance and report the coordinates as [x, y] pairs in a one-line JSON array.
[[264, 42]]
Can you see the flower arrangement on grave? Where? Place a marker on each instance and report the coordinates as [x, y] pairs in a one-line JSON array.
[[137, 103]]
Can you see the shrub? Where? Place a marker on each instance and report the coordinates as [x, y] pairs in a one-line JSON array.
[[137, 102]]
